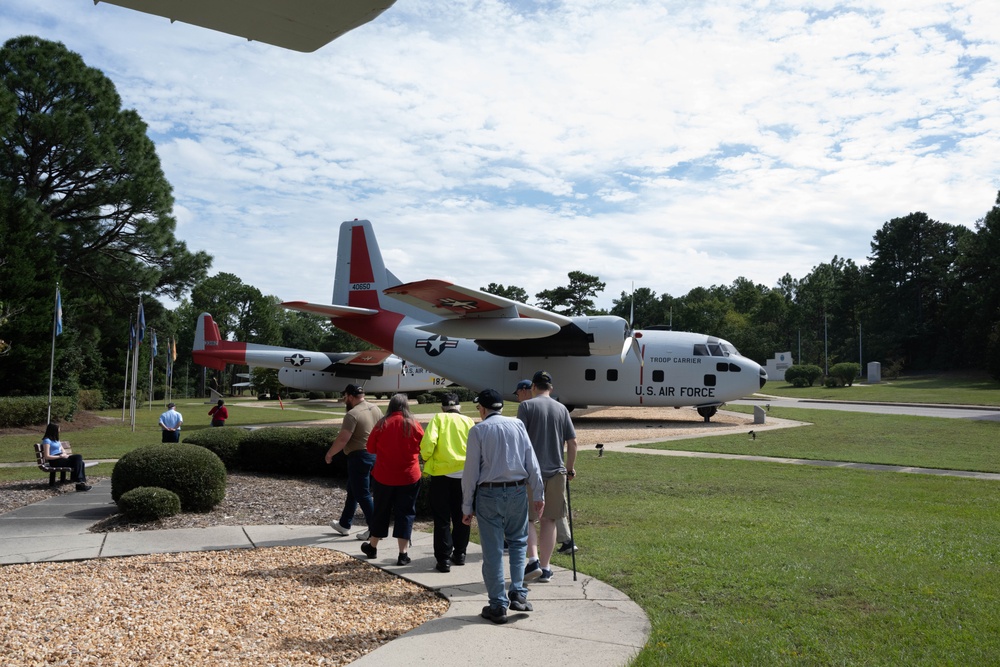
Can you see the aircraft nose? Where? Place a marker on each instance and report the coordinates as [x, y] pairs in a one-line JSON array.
[[763, 378]]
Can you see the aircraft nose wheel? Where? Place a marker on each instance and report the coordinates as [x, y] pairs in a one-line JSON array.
[[708, 412]]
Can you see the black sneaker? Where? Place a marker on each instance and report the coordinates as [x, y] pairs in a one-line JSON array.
[[532, 571], [443, 566], [567, 548], [519, 602], [83, 486], [495, 614], [368, 549], [458, 559], [403, 559]]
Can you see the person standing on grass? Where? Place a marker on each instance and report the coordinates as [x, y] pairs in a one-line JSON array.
[[361, 417], [549, 426], [170, 424], [563, 535], [443, 451], [395, 443], [219, 414], [500, 465], [54, 452]]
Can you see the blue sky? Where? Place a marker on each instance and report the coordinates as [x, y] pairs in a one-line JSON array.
[[670, 144]]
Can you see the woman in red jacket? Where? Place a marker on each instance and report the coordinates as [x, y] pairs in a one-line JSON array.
[[395, 442]]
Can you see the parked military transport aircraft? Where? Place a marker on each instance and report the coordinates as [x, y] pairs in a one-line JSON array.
[[300, 25], [377, 371], [481, 340]]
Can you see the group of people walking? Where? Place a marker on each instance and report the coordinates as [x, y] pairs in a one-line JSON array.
[[509, 473]]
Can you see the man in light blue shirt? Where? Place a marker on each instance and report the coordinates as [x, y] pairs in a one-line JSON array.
[[170, 423], [499, 465]]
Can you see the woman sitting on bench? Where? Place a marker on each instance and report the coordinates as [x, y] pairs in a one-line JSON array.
[[55, 454]]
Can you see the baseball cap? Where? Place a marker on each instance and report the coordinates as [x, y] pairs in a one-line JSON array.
[[542, 377], [489, 399], [449, 400], [523, 384], [171, 405], [354, 390]]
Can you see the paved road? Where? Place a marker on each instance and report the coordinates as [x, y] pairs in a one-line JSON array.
[[983, 413]]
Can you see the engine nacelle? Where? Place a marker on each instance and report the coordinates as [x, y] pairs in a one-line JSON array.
[[606, 333]]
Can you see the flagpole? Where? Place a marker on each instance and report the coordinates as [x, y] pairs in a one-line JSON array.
[[56, 325], [128, 355], [152, 355], [140, 333]]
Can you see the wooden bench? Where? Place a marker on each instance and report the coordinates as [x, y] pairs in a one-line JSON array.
[[46, 466]]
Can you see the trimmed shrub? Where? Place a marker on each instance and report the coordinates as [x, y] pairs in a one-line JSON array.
[[295, 451], [149, 503], [195, 474], [90, 399], [316, 395], [845, 372], [803, 375], [224, 442], [19, 411]]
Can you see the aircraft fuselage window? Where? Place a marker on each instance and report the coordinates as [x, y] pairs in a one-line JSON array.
[[657, 376], [612, 375], [734, 368], [512, 366], [590, 375], [722, 367], [709, 380]]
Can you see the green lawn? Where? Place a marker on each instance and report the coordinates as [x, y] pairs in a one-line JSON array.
[[926, 442], [965, 388], [740, 563]]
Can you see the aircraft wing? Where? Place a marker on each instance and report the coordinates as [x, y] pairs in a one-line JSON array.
[[471, 313], [300, 25], [366, 358], [327, 309]]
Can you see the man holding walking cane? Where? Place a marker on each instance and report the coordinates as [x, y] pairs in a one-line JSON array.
[[549, 426]]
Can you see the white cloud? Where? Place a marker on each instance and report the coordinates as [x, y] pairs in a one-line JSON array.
[[672, 144]]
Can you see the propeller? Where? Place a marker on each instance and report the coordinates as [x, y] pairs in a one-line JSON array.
[[630, 336]]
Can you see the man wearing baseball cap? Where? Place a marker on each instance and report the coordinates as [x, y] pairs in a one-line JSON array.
[[170, 424], [358, 423], [549, 426], [499, 466]]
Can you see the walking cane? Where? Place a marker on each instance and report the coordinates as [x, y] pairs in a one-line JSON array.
[[572, 540]]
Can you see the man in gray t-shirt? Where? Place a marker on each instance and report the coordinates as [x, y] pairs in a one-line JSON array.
[[549, 426]]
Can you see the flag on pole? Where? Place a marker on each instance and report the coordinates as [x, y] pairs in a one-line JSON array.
[[173, 350], [58, 312], [154, 344], [142, 323]]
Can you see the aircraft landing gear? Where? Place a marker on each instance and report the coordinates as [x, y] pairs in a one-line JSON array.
[[707, 412]]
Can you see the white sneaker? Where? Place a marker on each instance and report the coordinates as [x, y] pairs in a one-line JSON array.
[[340, 529], [364, 535]]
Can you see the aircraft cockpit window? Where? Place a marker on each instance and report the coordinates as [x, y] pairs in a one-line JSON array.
[[700, 350], [729, 350], [716, 350]]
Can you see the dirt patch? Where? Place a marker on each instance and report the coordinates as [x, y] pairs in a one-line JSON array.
[[82, 421]]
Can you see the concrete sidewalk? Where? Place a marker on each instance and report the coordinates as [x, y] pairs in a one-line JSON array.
[[583, 622]]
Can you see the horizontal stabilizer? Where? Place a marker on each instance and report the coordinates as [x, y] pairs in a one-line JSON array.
[[328, 310], [493, 328]]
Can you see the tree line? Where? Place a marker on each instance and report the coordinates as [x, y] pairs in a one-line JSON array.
[[84, 205]]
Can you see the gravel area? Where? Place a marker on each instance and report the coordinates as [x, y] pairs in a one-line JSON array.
[[278, 606]]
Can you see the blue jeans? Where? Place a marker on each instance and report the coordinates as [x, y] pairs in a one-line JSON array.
[[359, 493], [502, 513]]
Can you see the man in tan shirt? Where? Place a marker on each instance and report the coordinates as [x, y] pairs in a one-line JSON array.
[[361, 417]]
